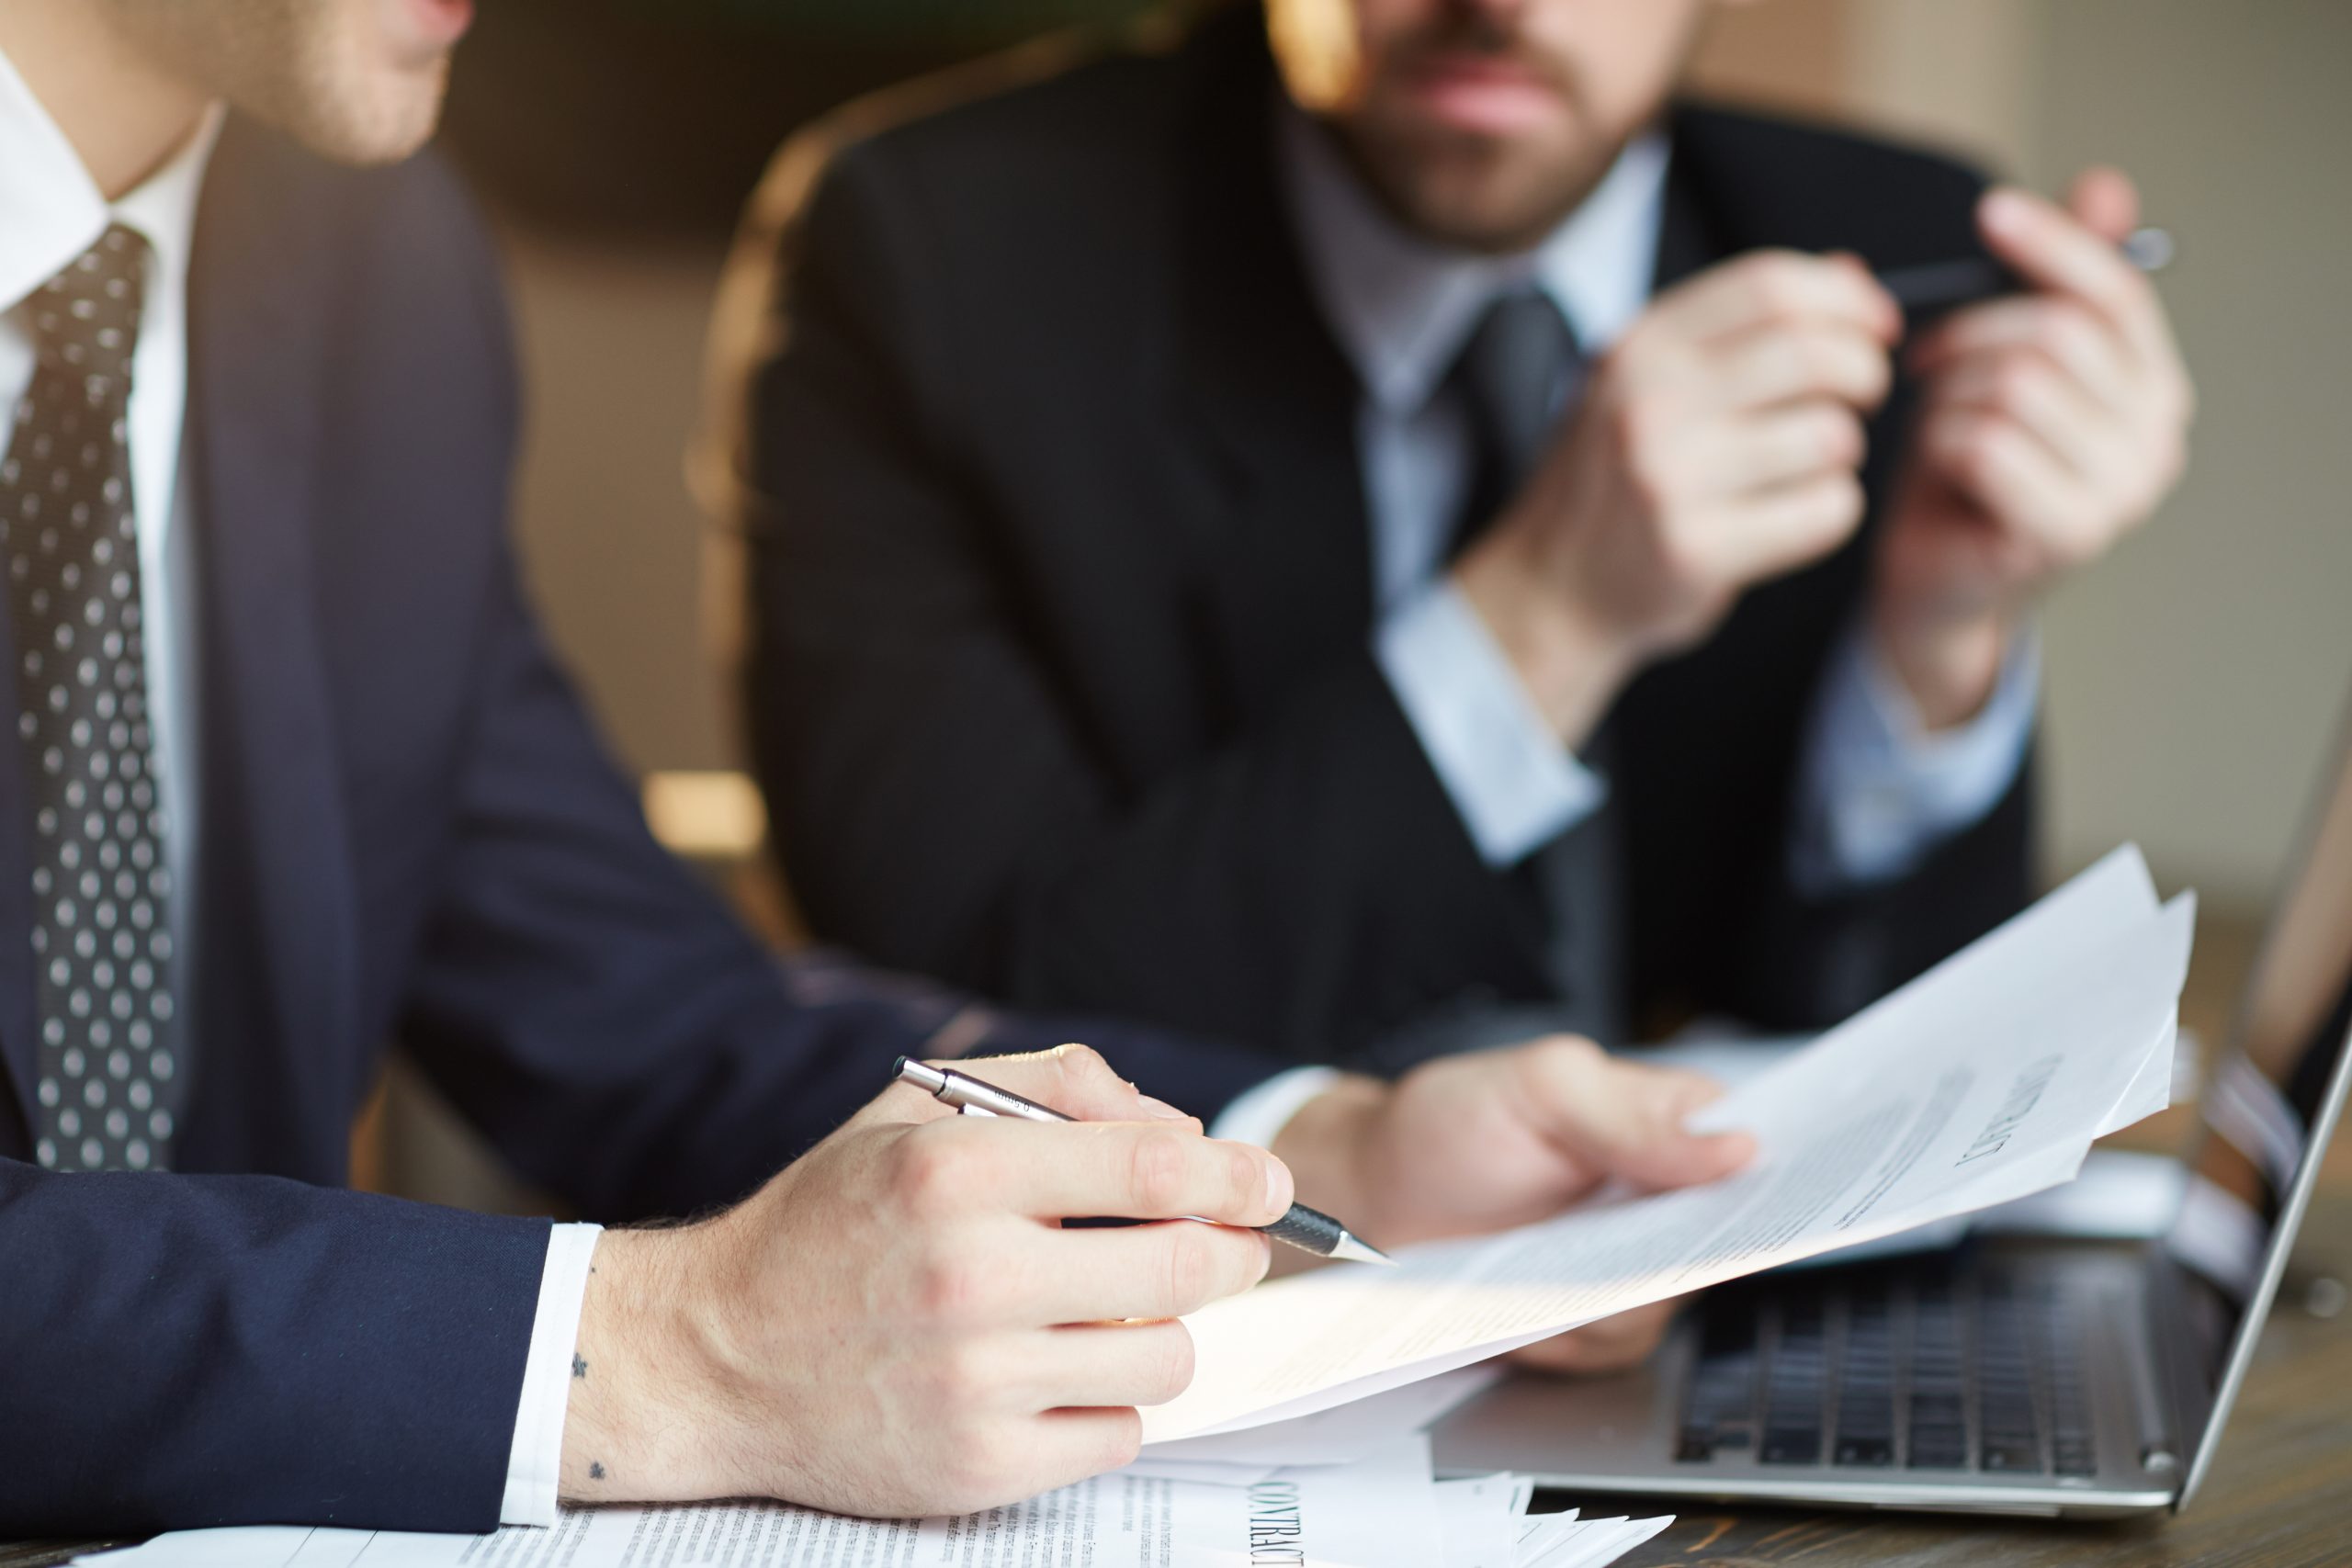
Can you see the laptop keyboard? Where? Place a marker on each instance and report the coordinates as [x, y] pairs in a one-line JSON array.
[[1952, 1366]]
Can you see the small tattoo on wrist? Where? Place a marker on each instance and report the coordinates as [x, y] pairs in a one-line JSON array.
[[579, 1366], [595, 1470]]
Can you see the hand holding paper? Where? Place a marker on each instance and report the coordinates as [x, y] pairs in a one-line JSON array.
[[1985, 1079], [1476, 1143]]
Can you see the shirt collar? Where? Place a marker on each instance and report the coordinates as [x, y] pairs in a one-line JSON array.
[[51, 210], [1402, 305]]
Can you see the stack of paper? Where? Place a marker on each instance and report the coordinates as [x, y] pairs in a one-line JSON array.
[[1486, 1523], [1380, 1511], [1985, 1079]]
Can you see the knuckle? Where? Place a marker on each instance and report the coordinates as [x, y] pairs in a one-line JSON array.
[[1635, 424], [930, 1167], [961, 1378], [1873, 376], [1157, 1162], [1191, 1269], [1776, 281], [1171, 1373], [1843, 503], [1976, 455], [1081, 1065], [1566, 1054], [1837, 435], [2072, 337], [1650, 473], [1122, 1440], [973, 1476], [2018, 382], [1245, 1176], [950, 1287]]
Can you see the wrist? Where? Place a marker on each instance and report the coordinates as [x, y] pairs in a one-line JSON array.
[[1571, 666], [1948, 665], [647, 1415]]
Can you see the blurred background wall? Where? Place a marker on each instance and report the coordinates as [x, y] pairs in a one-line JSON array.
[[2194, 679]]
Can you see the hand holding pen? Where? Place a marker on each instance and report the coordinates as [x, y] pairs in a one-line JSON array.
[[1307, 1229]]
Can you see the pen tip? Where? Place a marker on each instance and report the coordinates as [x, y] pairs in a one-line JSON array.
[[1351, 1250]]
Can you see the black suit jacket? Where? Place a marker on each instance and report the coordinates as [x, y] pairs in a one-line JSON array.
[[408, 830], [1061, 682]]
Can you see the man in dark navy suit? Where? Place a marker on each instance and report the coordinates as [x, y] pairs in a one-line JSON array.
[[292, 774]]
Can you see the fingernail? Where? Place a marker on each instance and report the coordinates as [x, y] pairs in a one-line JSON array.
[[1159, 1109], [2007, 212], [1278, 1187]]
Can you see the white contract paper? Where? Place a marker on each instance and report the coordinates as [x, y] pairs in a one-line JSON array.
[[1984, 1079], [1380, 1513]]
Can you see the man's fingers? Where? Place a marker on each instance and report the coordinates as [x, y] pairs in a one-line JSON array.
[[1067, 1446], [1103, 1274], [1777, 364], [2071, 338], [2104, 201], [1778, 448], [1786, 286], [1626, 1118], [1072, 1079], [2047, 404], [1153, 1170], [1764, 535], [2017, 479], [2053, 251], [1098, 1365]]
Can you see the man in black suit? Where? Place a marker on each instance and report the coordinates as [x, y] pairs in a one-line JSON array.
[[293, 774], [1435, 543]]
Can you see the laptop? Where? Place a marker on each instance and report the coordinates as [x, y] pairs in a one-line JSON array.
[[2013, 1374]]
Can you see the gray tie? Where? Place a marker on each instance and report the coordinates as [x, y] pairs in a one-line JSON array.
[[1521, 374], [102, 943]]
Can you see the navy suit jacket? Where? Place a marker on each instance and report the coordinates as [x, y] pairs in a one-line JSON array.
[[409, 831]]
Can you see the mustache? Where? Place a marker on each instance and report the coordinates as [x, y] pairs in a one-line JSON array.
[[1480, 36]]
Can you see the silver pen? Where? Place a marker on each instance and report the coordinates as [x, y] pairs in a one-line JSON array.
[[1309, 1229], [1964, 280]]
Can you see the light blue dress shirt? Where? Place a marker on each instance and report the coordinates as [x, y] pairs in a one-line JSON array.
[[1877, 792]]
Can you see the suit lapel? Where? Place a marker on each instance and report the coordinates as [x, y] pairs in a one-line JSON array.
[[275, 876], [1691, 234], [1268, 390]]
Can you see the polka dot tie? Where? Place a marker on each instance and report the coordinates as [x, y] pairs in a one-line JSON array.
[[102, 943]]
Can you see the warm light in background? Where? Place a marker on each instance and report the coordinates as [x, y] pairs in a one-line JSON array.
[[1315, 42]]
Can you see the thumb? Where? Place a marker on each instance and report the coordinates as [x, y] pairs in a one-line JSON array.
[[2104, 201], [1665, 1152], [1624, 1118]]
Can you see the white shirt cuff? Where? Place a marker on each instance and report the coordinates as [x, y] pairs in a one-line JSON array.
[[1515, 786], [535, 1464], [1879, 792], [1258, 1115]]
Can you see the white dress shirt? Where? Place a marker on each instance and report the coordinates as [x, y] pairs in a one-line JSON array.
[[51, 211]]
